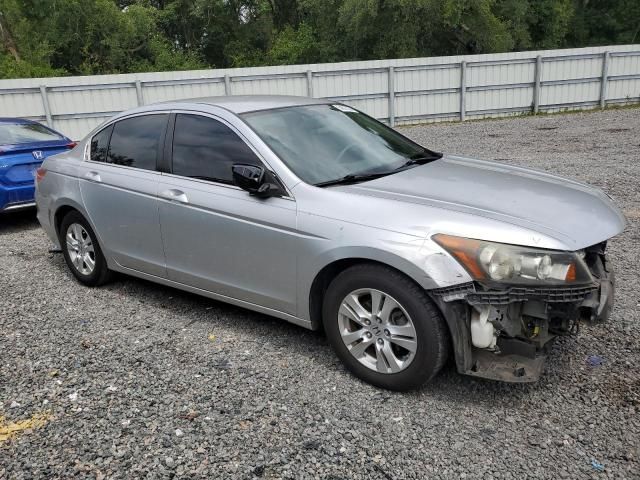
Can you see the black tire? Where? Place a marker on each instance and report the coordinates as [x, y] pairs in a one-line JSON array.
[[100, 274], [432, 335]]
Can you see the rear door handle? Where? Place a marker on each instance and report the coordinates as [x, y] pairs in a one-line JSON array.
[[175, 195], [93, 176]]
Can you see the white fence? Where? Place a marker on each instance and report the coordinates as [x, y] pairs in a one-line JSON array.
[[395, 91]]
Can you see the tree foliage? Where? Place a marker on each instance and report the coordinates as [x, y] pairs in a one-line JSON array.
[[77, 37]]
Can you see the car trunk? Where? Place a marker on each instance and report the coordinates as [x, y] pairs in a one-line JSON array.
[[18, 166]]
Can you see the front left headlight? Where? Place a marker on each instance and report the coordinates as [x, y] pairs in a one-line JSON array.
[[515, 264]]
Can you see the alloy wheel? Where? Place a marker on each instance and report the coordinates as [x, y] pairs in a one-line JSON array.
[[377, 330], [80, 249]]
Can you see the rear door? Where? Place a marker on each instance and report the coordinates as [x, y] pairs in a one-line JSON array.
[[119, 185], [217, 237]]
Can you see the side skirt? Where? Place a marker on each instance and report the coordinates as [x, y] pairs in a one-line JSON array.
[[215, 296]]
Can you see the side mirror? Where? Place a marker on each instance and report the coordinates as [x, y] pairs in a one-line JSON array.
[[253, 179]]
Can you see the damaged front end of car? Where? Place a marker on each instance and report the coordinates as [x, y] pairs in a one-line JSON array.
[[521, 299]]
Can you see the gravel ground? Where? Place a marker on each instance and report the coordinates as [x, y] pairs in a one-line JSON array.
[[135, 380]]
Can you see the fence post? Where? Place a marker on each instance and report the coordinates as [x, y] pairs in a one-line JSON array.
[[392, 97], [309, 84], [536, 89], [45, 104], [139, 93], [227, 85], [605, 80], [463, 91]]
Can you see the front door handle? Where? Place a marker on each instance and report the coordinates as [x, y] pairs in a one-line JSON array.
[[93, 176], [175, 195]]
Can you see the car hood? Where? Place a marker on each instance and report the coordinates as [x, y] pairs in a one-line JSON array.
[[574, 213]]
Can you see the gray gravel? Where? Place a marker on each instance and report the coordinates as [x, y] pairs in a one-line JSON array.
[[143, 381]]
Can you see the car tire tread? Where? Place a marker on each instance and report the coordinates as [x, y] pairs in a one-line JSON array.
[[434, 342], [101, 274]]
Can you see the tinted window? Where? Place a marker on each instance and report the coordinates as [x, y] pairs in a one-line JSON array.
[[100, 145], [135, 141], [16, 133], [205, 148]]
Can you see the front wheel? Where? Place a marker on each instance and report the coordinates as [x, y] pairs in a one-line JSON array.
[[384, 327]]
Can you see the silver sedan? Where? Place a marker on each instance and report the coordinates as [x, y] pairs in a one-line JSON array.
[[313, 212]]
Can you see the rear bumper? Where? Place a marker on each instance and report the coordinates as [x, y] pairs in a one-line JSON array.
[[523, 322], [15, 197]]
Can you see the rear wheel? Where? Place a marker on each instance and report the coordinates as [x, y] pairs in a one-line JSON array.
[[82, 252], [384, 327]]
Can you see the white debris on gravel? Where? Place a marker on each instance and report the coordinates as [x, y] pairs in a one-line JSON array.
[[269, 399]]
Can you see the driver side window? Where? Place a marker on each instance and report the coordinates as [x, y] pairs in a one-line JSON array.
[[205, 148]]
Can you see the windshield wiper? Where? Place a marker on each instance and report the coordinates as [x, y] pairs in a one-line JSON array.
[[426, 155], [420, 159], [415, 159], [352, 178]]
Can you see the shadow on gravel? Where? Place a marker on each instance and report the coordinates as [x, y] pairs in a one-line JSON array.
[[181, 305], [473, 391], [188, 309], [12, 222]]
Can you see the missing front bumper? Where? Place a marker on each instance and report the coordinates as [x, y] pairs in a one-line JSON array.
[[526, 321]]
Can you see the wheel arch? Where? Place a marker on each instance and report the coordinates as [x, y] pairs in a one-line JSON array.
[[62, 208], [333, 268], [62, 212]]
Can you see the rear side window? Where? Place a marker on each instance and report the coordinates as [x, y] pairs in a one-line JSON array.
[[135, 142], [17, 133], [205, 148], [100, 144]]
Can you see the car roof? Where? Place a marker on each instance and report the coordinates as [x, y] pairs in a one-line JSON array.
[[14, 121], [236, 104], [251, 103]]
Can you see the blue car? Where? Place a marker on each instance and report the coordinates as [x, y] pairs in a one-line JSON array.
[[24, 144]]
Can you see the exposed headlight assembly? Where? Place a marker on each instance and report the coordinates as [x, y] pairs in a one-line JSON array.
[[504, 263]]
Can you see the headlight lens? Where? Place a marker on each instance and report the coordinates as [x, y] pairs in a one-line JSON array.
[[515, 264]]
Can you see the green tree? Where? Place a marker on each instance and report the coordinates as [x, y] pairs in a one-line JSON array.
[[85, 37], [61, 37], [293, 45], [605, 22], [550, 22]]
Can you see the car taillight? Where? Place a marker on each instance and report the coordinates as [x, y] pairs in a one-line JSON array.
[[40, 173], [71, 145]]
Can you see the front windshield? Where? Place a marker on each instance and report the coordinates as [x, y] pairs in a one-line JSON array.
[[324, 143]]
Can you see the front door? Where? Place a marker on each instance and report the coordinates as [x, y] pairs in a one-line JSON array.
[[216, 236]]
